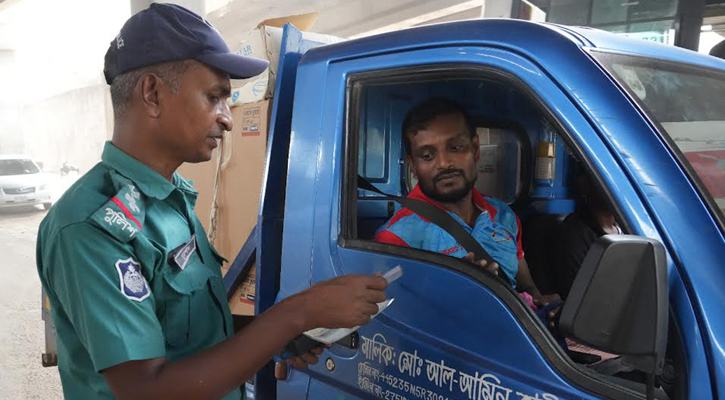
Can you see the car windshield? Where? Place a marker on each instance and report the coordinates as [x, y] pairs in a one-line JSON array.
[[17, 167], [689, 104]]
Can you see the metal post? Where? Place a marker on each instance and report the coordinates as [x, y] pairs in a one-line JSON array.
[[516, 9], [689, 21]]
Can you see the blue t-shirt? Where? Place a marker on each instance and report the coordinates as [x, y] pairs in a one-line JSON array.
[[497, 229]]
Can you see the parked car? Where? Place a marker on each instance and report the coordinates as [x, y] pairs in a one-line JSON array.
[[23, 182]]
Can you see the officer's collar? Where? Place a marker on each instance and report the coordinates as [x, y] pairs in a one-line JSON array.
[[150, 182]]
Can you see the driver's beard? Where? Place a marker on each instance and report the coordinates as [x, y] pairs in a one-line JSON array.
[[450, 197]]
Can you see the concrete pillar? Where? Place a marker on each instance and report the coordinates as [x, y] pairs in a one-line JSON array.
[[690, 23], [197, 6]]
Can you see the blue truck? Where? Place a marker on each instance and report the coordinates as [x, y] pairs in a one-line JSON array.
[[647, 121]]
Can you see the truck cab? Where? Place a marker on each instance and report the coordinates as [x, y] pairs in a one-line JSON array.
[[645, 121]]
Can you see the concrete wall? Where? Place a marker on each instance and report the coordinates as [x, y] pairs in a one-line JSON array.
[[10, 139], [54, 103], [72, 126]]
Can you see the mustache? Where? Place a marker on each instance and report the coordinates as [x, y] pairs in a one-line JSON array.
[[450, 171]]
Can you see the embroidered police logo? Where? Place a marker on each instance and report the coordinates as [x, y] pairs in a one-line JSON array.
[[133, 284]]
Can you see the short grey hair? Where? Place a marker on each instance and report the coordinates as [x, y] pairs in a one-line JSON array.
[[123, 85]]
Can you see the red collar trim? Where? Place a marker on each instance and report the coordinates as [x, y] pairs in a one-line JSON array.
[[478, 199]]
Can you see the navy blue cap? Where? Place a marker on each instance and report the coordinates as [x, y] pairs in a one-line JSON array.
[[168, 32]]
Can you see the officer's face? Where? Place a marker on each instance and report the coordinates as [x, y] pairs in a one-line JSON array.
[[443, 158], [198, 113]]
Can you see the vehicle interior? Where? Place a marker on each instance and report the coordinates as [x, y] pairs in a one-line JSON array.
[[516, 134]]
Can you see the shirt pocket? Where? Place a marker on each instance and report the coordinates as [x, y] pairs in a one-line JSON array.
[[185, 290]]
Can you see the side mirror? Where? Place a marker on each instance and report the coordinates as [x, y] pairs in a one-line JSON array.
[[618, 302], [40, 165]]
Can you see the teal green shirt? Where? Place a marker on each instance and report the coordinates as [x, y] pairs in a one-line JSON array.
[[125, 279]]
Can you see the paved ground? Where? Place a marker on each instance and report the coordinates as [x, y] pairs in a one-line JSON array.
[[21, 329], [22, 334]]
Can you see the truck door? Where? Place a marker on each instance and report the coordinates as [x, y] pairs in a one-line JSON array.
[[453, 331]]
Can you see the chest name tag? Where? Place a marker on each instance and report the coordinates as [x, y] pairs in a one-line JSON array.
[[181, 255]]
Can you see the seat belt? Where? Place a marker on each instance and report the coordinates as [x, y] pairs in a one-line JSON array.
[[441, 218]]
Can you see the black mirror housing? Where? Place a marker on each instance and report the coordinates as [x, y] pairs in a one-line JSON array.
[[618, 302]]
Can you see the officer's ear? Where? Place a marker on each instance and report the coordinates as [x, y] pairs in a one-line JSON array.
[[148, 89]]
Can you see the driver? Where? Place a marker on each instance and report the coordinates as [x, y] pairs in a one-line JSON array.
[[442, 150]]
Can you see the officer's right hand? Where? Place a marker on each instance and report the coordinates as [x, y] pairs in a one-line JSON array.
[[343, 302]]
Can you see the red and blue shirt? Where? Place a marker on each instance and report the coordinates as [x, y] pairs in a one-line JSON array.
[[497, 229]]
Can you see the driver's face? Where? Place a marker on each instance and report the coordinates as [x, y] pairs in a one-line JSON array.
[[443, 158]]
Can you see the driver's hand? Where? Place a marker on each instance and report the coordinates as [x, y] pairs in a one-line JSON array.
[[544, 300], [300, 362], [492, 268]]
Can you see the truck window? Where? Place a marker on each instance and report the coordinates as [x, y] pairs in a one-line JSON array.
[[687, 105], [504, 166]]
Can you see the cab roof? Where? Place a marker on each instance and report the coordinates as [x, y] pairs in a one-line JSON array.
[[540, 41]]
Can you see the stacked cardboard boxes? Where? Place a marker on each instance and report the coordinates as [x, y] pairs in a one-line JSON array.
[[243, 154]]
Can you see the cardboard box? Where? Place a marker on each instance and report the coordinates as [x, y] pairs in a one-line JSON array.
[[242, 302], [265, 42], [240, 182]]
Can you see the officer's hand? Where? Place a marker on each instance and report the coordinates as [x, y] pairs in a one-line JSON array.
[[343, 302], [492, 268]]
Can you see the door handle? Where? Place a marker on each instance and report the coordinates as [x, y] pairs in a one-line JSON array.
[[351, 341]]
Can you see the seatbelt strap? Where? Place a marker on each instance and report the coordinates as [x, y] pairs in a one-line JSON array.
[[441, 218]]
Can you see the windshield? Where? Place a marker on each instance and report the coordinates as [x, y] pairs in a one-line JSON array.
[[17, 167], [689, 104]]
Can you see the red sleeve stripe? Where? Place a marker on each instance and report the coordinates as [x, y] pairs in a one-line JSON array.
[[390, 238], [125, 210]]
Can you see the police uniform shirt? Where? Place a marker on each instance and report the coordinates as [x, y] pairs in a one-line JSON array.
[[129, 273]]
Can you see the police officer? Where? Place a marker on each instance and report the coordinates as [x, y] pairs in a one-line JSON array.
[[134, 285]]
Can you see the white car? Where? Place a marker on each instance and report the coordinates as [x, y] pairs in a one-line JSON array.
[[23, 182]]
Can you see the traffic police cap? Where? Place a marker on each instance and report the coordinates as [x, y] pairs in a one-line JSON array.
[[168, 32]]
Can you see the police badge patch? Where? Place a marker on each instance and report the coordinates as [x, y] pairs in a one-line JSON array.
[[133, 284]]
